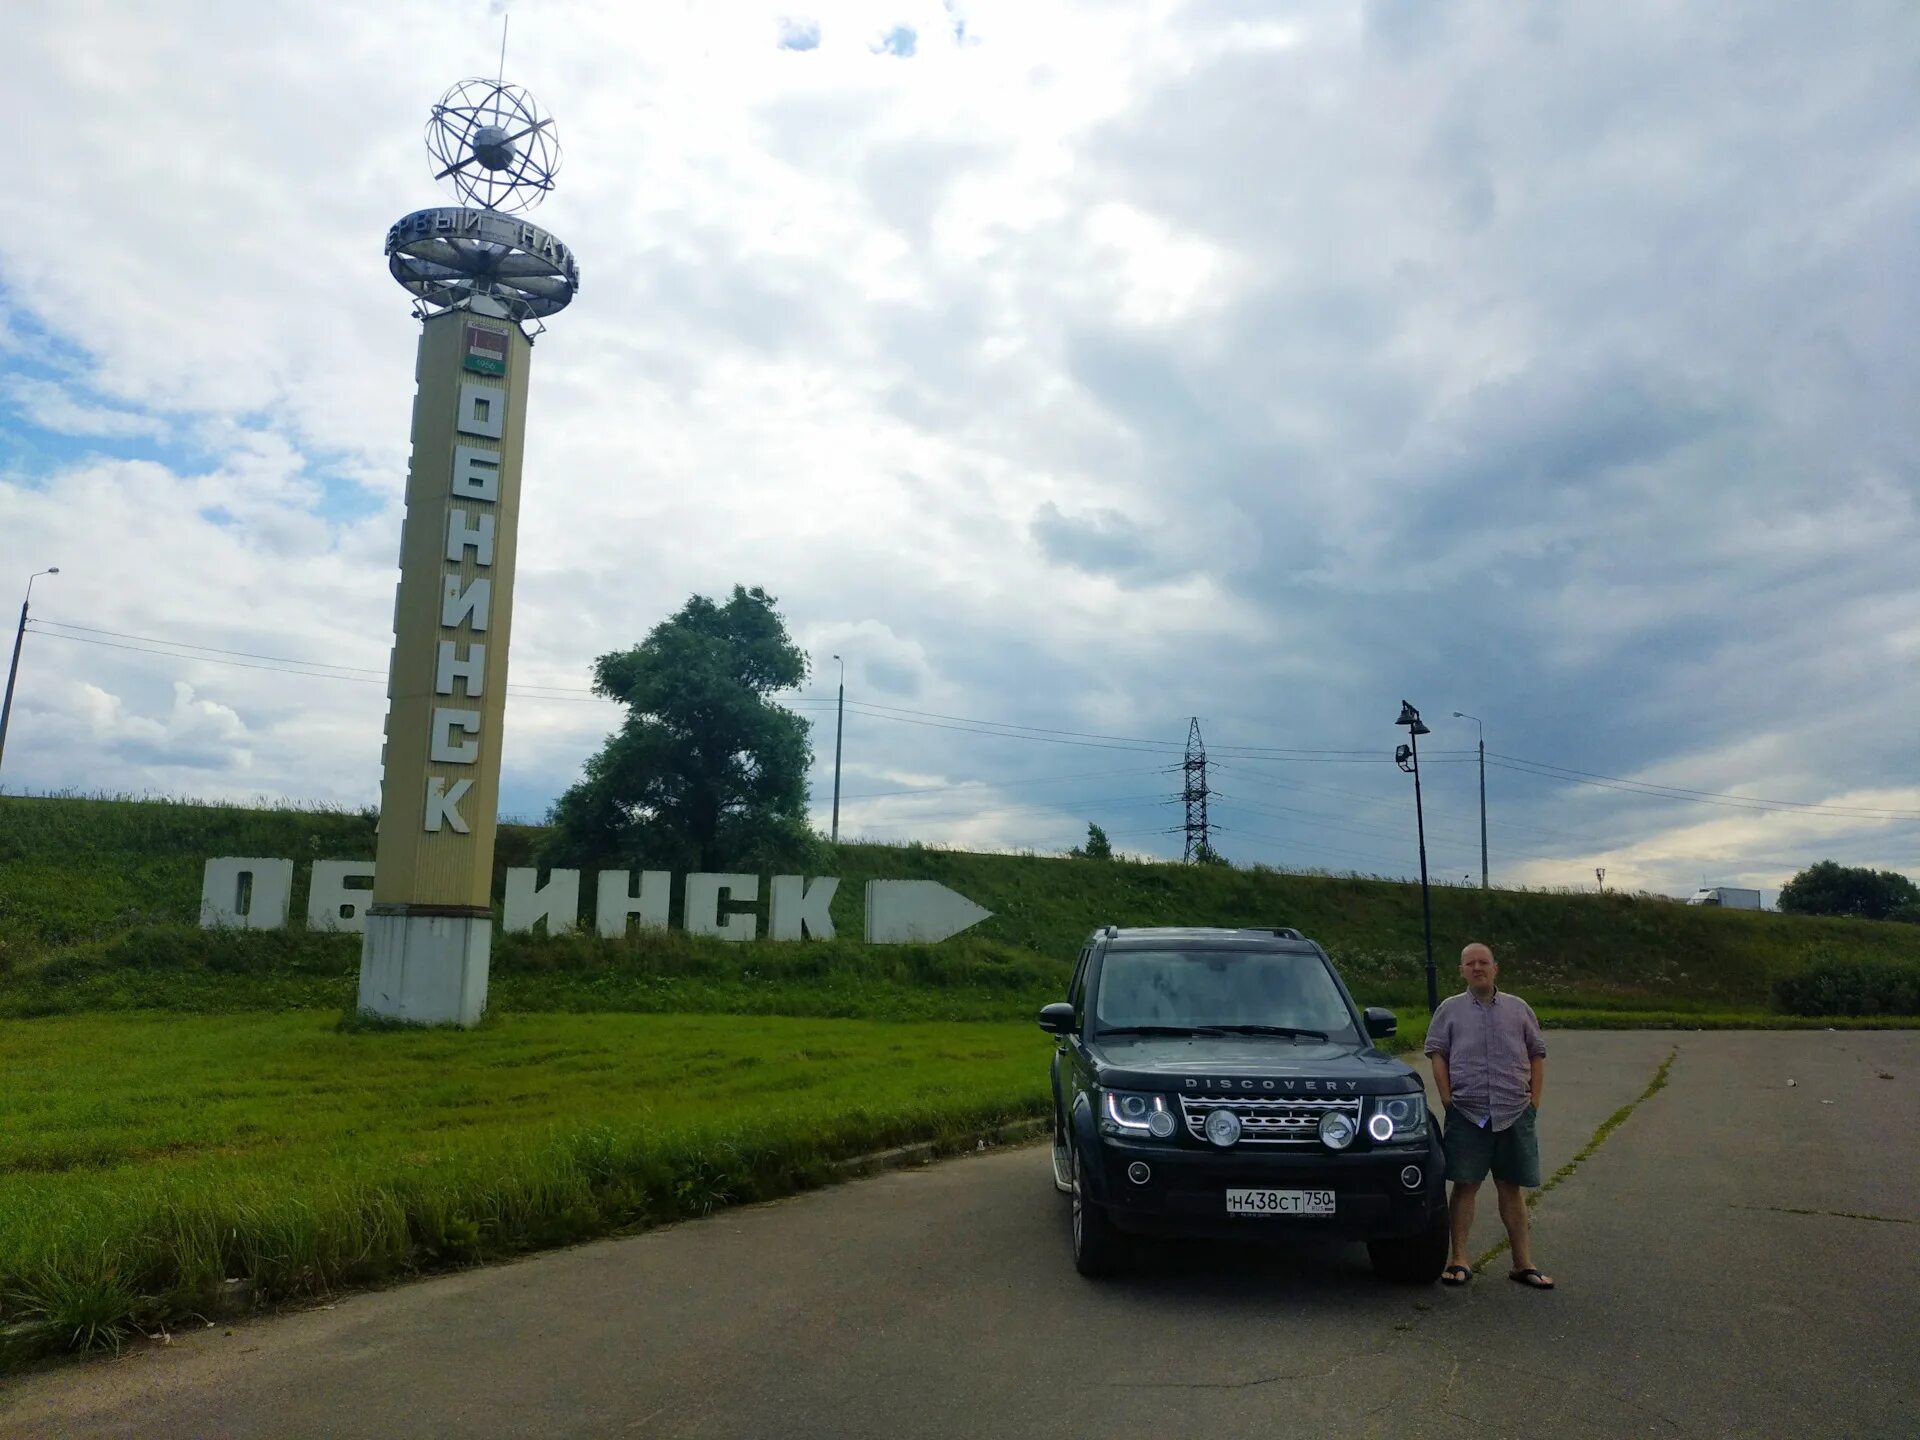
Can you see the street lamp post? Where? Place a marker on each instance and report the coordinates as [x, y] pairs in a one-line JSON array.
[[13, 670], [839, 726], [1408, 758], [1462, 715]]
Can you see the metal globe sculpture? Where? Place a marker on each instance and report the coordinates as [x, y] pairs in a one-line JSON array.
[[492, 141], [499, 151], [482, 280]]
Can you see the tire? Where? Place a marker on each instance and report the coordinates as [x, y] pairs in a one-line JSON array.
[[1413, 1259], [1098, 1246]]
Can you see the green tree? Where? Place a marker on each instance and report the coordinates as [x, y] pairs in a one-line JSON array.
[[706, 772], [1830, 888], [1205, 854], [1098, 847]]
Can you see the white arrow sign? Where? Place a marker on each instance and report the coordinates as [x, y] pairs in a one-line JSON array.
[[900, 912]]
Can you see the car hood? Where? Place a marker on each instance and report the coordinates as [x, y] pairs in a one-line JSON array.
[[1254, 1066]]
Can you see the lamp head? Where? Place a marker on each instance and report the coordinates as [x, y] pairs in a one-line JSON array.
[[1410, 718], [53, 570], [1402, 756]]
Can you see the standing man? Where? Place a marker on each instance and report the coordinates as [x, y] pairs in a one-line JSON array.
[[1489, 1065]]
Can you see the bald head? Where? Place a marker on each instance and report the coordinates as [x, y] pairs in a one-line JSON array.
[[1478, 969]]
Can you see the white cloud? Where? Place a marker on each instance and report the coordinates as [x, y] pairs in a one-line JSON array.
[[195, 734], [49, 405], [1097, 368]]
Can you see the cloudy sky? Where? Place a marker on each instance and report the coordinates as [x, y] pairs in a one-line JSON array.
[[1080, 367]]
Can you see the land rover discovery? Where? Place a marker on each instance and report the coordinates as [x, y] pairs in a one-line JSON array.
[[1213, 1082]]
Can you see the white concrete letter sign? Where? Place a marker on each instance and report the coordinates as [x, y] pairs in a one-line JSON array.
[[527, 903], [703, 906], [476, 473], [255, 894], [900, 912], [246, 894], [331, 904], [614, 901], [800, 909]]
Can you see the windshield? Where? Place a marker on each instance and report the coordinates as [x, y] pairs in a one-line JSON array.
[[1203, 989]]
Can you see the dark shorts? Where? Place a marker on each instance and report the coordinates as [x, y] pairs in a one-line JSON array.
[[1512, 1154]]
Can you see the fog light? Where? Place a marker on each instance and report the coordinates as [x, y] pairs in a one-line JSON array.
[[1380, 1127], [1223, 1128], [1139, 1173], [1337, 1130], [1411, 1177]]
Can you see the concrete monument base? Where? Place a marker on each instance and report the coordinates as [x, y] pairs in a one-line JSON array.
[[426, 968]]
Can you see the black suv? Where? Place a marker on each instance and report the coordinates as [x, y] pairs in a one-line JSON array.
[[1212, 1081]]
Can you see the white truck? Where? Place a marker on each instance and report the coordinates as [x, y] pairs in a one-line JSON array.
[[1728, 898]]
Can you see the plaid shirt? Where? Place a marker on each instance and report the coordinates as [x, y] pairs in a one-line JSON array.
[[1489, 1049]]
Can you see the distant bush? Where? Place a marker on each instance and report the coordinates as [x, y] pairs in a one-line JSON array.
[[1836, 985]]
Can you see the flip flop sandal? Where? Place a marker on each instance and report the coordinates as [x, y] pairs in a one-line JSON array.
[[1455, 1275], [1532, 1279]]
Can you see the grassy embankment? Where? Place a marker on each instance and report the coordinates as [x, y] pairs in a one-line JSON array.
[[146, 1158], [98, 901]]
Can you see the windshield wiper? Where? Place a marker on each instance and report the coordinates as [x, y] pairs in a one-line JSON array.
[[1160, 1030], [1270, 1030]]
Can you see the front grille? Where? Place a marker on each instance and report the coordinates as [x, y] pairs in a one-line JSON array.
[[1268, 1122]]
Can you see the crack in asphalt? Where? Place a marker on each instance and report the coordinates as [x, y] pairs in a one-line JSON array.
[[1831, 1214], [1253, 1383], [1575, 1384], [1600, 1137]]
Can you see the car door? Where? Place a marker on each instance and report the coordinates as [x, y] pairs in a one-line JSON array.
[[1062, 1076], [1076, 1064]]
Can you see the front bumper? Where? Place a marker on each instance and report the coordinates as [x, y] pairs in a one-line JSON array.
[[1185, 1190]]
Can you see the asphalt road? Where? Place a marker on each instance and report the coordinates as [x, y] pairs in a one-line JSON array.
[[1739, 1258]]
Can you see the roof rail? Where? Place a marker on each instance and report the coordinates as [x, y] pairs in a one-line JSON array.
[[1287, 932]]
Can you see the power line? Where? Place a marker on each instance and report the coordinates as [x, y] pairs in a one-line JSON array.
[[1699, 797], [186, 645], [1118, 802], [327, 670], [307, 666], [379, 678], [1008, 735], [1360, 825], [879, 711], [873, 709], [1010, 784], [1283, 812], [1397, 805]]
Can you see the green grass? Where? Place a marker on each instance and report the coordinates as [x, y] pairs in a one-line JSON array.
[[179, 967], [145, 1159]]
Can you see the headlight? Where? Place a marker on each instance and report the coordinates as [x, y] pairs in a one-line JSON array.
[[1401, 1117], [1336, 1130], [1130, 1112], [1223, 1127]]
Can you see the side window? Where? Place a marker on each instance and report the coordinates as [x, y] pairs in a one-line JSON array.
[[1077, 987]]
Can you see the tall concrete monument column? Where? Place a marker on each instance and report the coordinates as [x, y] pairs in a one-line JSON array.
[[483, 282]]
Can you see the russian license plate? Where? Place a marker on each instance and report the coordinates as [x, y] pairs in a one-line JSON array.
[[1280, 1202]]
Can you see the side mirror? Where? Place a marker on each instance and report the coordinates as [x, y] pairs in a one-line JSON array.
[[1057, 1018], [1380, 1023]]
